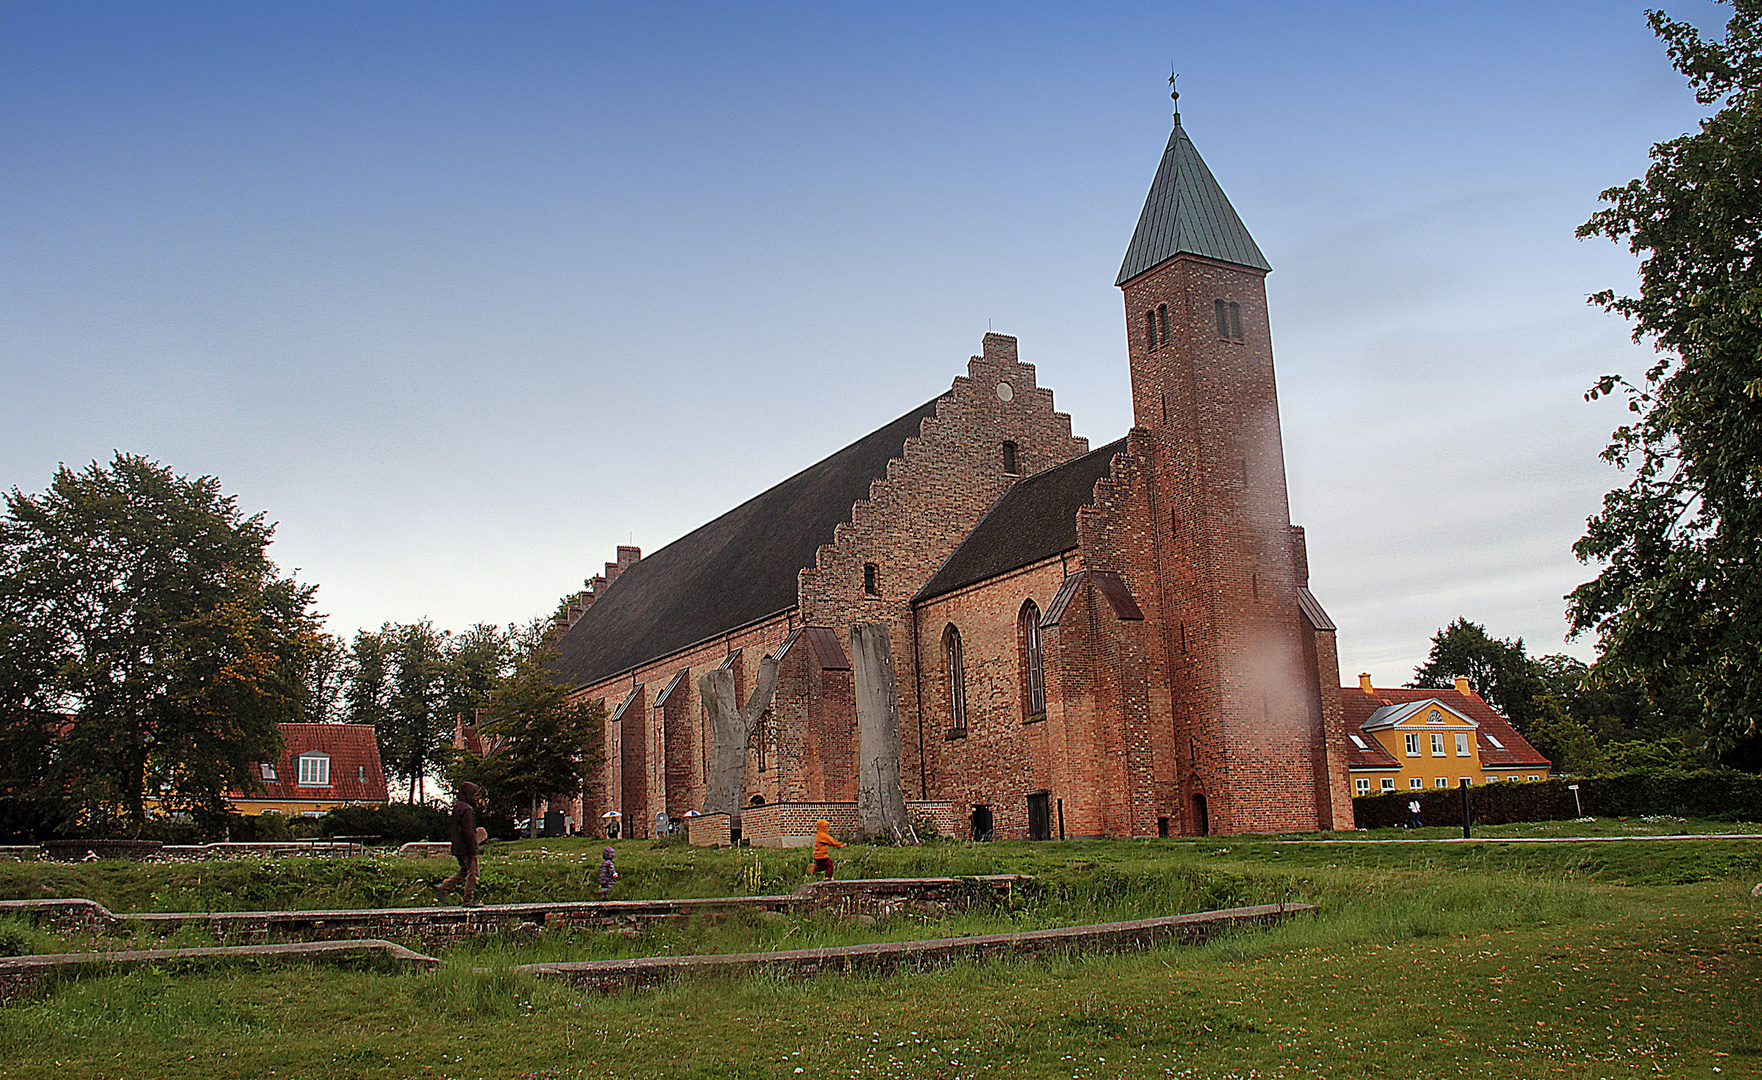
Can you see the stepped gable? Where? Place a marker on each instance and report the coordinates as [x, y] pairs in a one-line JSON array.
[[735, 570], [1360, 704], [1034, 520], [1187, 212]]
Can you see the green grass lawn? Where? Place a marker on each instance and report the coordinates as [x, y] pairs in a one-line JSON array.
[[1425, 960]]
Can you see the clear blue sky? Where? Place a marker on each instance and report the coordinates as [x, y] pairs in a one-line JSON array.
[[466, 295]]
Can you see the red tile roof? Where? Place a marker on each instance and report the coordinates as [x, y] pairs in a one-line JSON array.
[[355, 773], [1358, 704], [1372, 756]]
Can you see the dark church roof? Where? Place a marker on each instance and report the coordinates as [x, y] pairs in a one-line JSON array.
[[1036, 519], [737, 569], [1186, 211]]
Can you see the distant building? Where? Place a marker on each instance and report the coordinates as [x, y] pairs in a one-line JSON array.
[[1117, 641], [322, 767], [1411, 740]]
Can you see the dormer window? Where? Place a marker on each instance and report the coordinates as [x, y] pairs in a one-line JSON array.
[[1229, 320], [871, 579], [1010, 466], [314, 770]]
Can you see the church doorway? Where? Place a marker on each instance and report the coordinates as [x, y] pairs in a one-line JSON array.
[[981, 823], [1040, 816], [1201, 819]]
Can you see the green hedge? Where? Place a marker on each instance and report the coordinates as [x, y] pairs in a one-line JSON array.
[[1713, 794]]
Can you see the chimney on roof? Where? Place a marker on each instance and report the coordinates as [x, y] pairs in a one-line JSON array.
[[1364, 682], [628, 555], [1462, 685]]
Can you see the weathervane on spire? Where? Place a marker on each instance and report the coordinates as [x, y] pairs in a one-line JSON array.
[[1174, 94]]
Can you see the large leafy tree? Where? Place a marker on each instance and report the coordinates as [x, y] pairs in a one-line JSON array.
[[1499, 669], [148, 646], [411, 680], [1679, 596], [543, 742]]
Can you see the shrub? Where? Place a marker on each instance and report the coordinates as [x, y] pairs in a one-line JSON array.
[[1716, 794], [394, 823]]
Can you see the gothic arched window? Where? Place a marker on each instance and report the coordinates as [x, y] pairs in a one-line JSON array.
[[1010, 465], [955, 668], [1033, 664]]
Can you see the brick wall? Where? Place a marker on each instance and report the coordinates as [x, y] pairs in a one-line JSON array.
[[931, 498], [1245, 698]]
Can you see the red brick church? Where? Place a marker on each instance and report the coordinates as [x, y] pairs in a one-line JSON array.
[[1087, 642]]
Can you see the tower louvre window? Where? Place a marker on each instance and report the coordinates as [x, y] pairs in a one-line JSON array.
[[871, 579], [1009, 459], [1229, 320], [1162, 324], [1150, 329]]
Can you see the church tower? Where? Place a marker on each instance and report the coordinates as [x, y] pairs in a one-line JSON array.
[[1249, 731]]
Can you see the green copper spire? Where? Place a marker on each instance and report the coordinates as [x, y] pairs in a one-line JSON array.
[[1186, 212]]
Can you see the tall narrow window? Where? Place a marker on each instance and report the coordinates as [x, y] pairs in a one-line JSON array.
[[1009, 459], [871, 579], [957, 681], [1229, 320], [1033, 665], [1150, 330], [1162, 324]]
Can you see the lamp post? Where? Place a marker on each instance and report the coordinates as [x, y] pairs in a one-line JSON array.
[[1576, 805], [1467, 821]]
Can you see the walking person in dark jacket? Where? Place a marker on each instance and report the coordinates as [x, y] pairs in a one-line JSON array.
[[608, 873], [464, 833]]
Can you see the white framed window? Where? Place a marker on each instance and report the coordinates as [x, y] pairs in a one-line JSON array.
[[1413, 744], [1358, 742], [1388, 783], [1415, 782], [1533, 778], [1361, 785], [1469, 780], [1494, 739], [1443, 781], [314, 770], [266, 770], [1437, 744], [1462, 747]]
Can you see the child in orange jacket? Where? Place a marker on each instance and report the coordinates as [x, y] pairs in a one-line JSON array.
[[822, 841]]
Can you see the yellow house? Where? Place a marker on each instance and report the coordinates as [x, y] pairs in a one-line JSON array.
[[1410, 739]]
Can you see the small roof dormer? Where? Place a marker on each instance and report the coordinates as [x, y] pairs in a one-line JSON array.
[[1425, 713]]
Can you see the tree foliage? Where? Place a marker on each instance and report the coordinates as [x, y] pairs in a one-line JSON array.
[[544, 744], [411, 681], [1679, 595], [148, 646], [1580, 721]]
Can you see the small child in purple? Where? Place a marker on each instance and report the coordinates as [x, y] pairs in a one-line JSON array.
[[608, 873]]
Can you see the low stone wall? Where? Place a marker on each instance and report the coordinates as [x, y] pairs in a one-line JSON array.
[[612, 975], [708, 830], [883, 898], [22, 975], [874, 897]]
